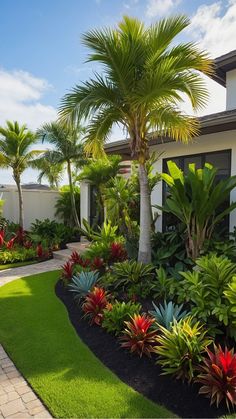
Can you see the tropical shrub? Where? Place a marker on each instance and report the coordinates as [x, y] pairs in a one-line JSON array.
[[167, 313], [18, 254], [67, 271], [83, 283], [63, 204], [194, 198], [139, 336], [218, 376], [117, 314], [206, 289], [117, 253], [161, 284], [53, 233], [180, 349], [133, 277], [94, 305]]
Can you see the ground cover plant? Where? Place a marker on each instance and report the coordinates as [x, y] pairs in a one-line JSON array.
[[41, 326]]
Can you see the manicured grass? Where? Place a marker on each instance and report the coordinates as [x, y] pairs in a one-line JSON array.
[[37, 334], [17, 264]]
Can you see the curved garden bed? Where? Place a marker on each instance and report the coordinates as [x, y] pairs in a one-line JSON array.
[[141, 374]]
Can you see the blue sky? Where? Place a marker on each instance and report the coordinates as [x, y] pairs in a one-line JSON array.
[[42, 56]]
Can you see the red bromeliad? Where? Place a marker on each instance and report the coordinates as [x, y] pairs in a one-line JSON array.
[[218, 376], [118, 253], [138, 336], [11, 243], [76, 258], [39, 250], [97, 263], [2, 235], [67, 270], [95, 303]]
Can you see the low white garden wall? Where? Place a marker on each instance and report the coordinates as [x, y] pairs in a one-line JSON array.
[[37, 204]]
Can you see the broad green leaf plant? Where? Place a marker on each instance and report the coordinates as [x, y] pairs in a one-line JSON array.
[[194, 198]]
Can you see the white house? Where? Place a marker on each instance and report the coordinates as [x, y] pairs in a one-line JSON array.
[[216, 143]]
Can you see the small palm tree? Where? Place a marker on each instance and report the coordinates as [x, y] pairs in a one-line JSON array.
[[15, 153], [49, 169], [143, 82], [68, 149]]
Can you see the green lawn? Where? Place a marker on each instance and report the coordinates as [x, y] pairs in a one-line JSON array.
[[17, 264], [37, 334]]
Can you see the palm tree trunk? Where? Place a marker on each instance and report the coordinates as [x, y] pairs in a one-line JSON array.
[[20, 195], [144, 253], [72, 196]]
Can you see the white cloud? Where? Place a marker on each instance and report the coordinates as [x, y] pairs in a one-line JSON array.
[[214, 27], [20, 97], [156, 8]]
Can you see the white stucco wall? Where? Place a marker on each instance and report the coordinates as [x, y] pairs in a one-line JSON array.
[[84, 201], [206, 143], [37, 204], [231, 90]]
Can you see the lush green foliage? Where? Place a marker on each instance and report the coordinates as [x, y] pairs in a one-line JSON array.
[[194, 198], [218, 376], [63, 204], [83, 283], [167, 313], [133, 277], [139, 336], [18, 254], [180, 348], [205, 289], [115, 316], [51, 232]]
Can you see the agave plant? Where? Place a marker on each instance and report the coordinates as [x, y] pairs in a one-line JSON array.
[[83, 283], [138, 335], [95, 302], [218, 376], [167, 313]]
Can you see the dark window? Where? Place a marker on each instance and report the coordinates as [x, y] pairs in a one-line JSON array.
[[219, 159]]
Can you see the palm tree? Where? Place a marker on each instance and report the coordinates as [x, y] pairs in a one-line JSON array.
[[15, 153], [142, 85], [68, 149], [49, 170]]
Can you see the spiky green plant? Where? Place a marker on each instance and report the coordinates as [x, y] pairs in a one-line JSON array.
[[168, 312], [83, 283]]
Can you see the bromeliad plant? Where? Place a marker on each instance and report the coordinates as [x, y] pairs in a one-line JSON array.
[[139, 336], [194, 199], [218, 376], [180, 349], [67, 271], [117, 314], [134, 277], [95, 303], [166, 314], [82, 284]]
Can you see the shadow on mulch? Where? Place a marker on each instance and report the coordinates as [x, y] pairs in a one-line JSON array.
[[141, 374]]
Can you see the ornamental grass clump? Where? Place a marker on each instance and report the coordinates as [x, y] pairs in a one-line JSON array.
[[139, 336], [180, 349], [218, 376]]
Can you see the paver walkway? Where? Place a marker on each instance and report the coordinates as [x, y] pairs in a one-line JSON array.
[[17, 399]]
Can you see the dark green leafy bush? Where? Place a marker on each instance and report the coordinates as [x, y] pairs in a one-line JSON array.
[[114, 317], [133, 277], [53, 233]]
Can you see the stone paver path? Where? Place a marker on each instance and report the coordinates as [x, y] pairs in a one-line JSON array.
[[17, 399]]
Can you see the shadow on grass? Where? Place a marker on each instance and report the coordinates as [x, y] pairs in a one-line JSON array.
[[37, 334]]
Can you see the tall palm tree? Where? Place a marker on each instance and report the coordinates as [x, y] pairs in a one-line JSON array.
[[67, 149], [141, 87], [15, 153], [49, 169]]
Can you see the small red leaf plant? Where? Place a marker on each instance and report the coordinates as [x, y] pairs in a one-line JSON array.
[[2, 235], [218, 376], [95, 264], [95, 303], [117, 253], [139, 335], [67, 272]]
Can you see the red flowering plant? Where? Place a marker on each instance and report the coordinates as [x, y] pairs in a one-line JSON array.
[[218, 376], [97, 263], [94, 305], [139, 336], [2, 235], [67, 271], [117, 253]]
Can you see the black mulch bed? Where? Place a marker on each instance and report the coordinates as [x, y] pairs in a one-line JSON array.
[[141, 374]]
